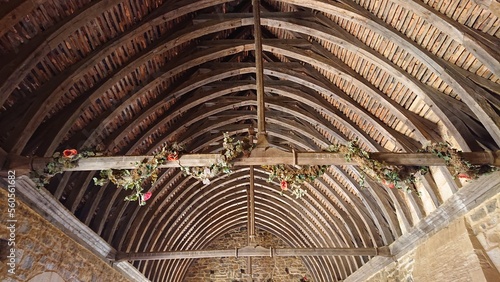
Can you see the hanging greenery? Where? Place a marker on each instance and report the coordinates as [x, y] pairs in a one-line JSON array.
[[457, 165], [292, 177], [134, 179], [67, 159], [393, 176], [232, 150]]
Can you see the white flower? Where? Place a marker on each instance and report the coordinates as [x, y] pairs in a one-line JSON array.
[[206, 181], [207, 171]]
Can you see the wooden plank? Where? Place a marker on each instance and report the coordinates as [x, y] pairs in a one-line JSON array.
[[267, 156], [250, 251], [251, 210]]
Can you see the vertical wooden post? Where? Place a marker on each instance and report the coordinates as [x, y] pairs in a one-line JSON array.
[[259, 71], [251, 220], [251, 209]]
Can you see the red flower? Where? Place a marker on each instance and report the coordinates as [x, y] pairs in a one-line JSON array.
[[390, 185], [284, 185], [146, 196], [173, 157], [463, 175], [69, 153]]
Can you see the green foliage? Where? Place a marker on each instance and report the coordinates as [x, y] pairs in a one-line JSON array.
[[400, 177], [232, 150], [393, 176], [57, 165], [456, 164], [292, 177], [135, 179]]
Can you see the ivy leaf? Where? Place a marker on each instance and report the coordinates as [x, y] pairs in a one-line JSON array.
[[99, 181]]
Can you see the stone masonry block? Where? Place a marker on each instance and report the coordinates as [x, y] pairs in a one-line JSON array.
[[477, 214], [494, 256], [491, 206]]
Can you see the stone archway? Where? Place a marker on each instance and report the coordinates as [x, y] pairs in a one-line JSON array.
[[47, 277]]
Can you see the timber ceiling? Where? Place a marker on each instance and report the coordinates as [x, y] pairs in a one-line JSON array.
[[130, 76]]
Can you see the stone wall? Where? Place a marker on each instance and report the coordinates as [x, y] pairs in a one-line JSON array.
[[398, 271], [279, 269], [484, 222], [467, 250], [41, 247], [453, 254]]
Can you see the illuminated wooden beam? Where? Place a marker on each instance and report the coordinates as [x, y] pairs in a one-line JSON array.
[[257, 251], [258, 157]]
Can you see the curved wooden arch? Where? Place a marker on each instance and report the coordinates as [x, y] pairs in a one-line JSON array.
[[235, 87], [469, 38], [153, 216], [139, 117], [471, 94], [207, 232], [336, 211], [371, 56], [375, 204], [223, 107], [70, 26], [38, 48], [267, 205], [36, 113], [60, 131]]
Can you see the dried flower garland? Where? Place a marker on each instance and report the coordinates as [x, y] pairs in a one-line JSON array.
[[403, 177], [457, 165], [393, 176], [232, 150], [134, 179], [292, 177], [67, 159]]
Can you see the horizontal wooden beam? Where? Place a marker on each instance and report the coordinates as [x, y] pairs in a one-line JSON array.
[[250, 251], [267, 156]]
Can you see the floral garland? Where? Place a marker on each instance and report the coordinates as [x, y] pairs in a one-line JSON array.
[[68, 159], [232, 150], [134, 179], [458, 166], [293, 177], [402, 177], [393, 176]]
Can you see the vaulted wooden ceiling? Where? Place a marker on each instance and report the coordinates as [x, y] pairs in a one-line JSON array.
[[131, 76]]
